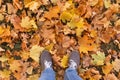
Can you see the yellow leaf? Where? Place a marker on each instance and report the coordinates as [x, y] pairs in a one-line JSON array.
[[33, 5], [107, 3], [98, 59], [66, 16], [33, 77], [29, 70], [35, 52], [64, 61], [28, 24], [49, 47], [107, 68], [1, 30], [3, 58], [93, 2], [5, 74], [1, 17]]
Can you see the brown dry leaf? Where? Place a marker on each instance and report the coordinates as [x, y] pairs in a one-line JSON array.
[[53, 13], [116, 65], [29, 70], [18, 4], [92, 2], [33, 77], [110, 77], [87, 44], [15, 20], [107, 68], [107, 34]]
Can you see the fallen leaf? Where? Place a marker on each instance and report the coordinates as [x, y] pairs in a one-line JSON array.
[[65, 16], [98, 58], [3, 58], [107, 3], [107, 68], [87, 44], [28, 23], [1, 17], [110, 77], [116, 65], [33, 77], [33, 5], [29, 70], [64, 61], [35, 52], [5, 73], [53, 13]]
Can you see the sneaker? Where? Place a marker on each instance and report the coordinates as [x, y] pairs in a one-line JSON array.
[[46, 60], [74, 60]]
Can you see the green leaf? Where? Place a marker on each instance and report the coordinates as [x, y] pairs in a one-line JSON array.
[[98, 59]]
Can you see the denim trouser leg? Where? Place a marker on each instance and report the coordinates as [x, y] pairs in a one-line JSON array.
[[47, 74], [71, 74]]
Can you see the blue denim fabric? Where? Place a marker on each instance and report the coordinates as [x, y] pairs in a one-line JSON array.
[[47, 74], [70, 74]]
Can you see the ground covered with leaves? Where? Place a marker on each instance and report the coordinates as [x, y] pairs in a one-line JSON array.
[[92, 27]]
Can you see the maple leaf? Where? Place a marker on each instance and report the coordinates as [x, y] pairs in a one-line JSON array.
[[13, 64], [29, 70], [1, 30], [116, 65], [1, 17], [65, 16], [64, 61], [5, 74], [35, 52], [32, 5], [107, 68], [98, 58], [53, 13], [28, 23], [33, 77], [110, 77], [4, 58], [107, 3], [93, 2], [87, 44]]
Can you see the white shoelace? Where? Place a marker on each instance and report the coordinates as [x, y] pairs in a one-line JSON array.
[[47, 64], [73, 64]]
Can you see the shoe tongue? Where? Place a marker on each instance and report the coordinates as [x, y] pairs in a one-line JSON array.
[[73, 64], [47, 64]]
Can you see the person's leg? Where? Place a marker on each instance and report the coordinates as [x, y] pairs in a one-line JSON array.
[[46, 64], [71, 72], [48, 74]]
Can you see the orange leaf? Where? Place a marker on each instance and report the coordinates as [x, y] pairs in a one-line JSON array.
[[53, 13]]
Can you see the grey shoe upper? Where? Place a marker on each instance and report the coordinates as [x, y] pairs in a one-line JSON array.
[[74, 58], [45, 56]]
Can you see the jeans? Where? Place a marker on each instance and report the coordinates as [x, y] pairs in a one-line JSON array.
[[70, 74]]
